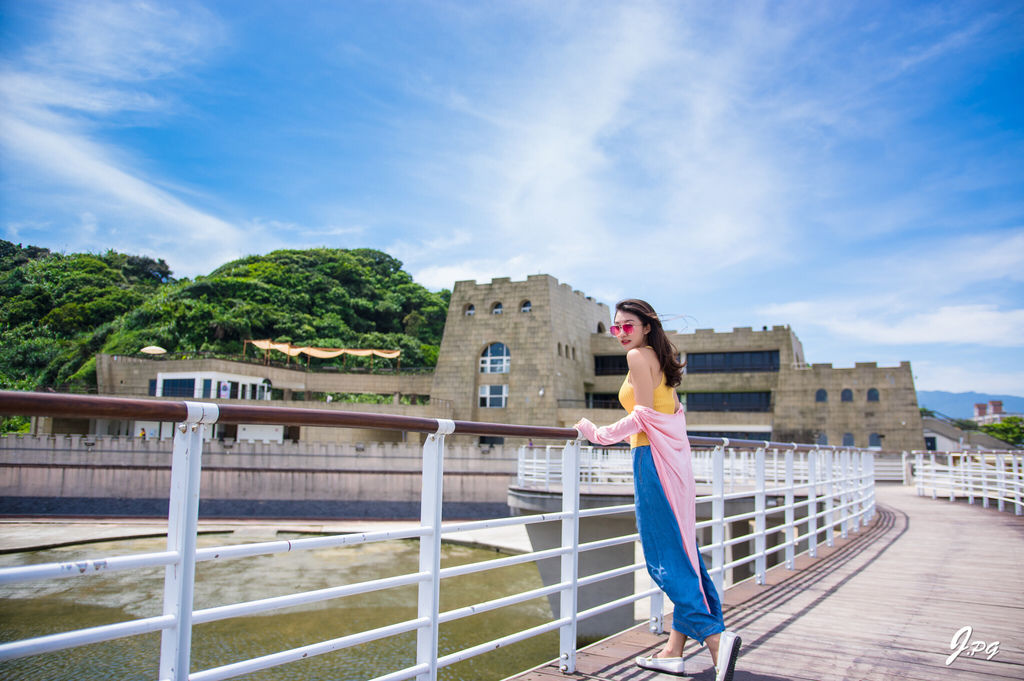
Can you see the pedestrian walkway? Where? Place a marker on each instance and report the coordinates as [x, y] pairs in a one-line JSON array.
[[883, 604]]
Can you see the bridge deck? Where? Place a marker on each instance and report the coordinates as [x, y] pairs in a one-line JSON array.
[[883, 604]]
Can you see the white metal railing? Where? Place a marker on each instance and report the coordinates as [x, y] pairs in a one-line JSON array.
[[835, 489], [824, 493], [975, 476]]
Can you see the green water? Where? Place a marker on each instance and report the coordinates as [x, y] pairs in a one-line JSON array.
[[39, 608]]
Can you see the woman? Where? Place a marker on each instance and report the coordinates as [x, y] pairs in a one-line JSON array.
[[665, 489]]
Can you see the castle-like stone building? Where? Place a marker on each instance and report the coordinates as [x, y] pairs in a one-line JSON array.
[[538, 352]]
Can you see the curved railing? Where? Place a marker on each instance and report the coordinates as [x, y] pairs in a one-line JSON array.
[[985, 477], [836, 495]]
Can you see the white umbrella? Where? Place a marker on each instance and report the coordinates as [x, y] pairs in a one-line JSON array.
[[153, 350]]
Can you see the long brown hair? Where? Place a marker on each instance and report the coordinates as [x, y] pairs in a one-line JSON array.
[[656, 338]]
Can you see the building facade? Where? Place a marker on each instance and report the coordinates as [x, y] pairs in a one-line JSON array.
[[538, 352]]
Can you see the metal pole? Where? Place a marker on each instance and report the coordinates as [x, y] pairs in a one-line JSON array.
[[718, 515], [812, 507], [1001, 481], [830, 494], [570, 561], [759, 516], [182, 524], [430, 547], [790, 514]]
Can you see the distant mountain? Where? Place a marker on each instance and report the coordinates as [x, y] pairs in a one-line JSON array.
[[961, 405]]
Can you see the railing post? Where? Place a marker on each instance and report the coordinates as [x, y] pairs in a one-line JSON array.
[[812, 507], [759, 516], [932, 475], [790, 514], [570, 561], [429, 595], [182, 526], [844, 496], [984, 480], [857, 488], [830, 495], [1017, 481], [718, 516], [1001, 481], [919, 465]]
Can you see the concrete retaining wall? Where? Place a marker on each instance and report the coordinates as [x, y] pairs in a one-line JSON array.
[[379, 475]]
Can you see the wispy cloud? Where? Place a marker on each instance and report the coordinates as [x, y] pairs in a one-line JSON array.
[[100, 59]]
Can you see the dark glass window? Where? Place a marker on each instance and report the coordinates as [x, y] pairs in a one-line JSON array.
[[603, 401], [207, 386], [822, 439], [760, 401], [847, 395], [821, 396], [527, 306], [724, 362], [152, 387], [872, 394], [847, 439], [179, 387], [610, 365], [930, 444], [874, 440]]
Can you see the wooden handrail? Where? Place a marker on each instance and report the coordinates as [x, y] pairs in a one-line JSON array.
[[92, 406]]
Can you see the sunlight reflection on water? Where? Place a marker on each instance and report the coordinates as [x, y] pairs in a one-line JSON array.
[[38, 608]]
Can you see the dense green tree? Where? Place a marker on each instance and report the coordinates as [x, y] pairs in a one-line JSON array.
[[57, 311], [1010, 430]]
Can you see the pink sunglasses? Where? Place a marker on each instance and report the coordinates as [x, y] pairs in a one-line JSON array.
[[625, 328]]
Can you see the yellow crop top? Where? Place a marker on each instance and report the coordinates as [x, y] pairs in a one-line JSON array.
[[664, 401]]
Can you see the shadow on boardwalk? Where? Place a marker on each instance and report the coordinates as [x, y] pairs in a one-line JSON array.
[[882, 604]]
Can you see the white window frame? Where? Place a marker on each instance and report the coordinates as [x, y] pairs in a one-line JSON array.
[[494, 396], [495, 364]]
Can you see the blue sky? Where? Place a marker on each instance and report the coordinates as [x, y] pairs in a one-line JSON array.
[[854, 170]]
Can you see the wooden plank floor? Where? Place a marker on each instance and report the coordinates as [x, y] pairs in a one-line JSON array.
[[883, 604]]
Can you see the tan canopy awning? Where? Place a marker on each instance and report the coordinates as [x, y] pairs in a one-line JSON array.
[[323, 353]]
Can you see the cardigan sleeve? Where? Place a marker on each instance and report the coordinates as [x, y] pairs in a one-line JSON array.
[[611, 434]]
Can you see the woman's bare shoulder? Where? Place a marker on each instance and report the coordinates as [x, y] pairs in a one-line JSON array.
[[642, 357]]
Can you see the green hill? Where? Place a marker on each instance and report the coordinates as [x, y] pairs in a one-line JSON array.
[[57, 311]]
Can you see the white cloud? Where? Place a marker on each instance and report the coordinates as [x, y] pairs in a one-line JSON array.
[[954, 377], [100, 59], [865, 321]]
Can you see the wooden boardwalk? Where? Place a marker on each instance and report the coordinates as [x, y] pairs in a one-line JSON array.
[[883, 604]]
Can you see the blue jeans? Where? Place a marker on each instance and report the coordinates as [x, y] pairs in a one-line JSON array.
[[667, 562]]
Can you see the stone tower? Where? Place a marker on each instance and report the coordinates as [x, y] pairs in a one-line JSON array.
[[513, 349]]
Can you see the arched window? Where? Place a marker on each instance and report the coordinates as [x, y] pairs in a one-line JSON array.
[[600, 327], [821, 396], [874, 440], [526, 306], [847, 439], [847, 395], [872, 394], [497, 309], [496, 359], [470, 310], [574, 353], [559, 349], [822, 439]]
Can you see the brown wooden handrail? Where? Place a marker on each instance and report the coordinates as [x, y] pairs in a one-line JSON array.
[[91, 406]]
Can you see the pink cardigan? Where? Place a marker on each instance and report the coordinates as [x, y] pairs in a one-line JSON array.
[[670, 449]]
